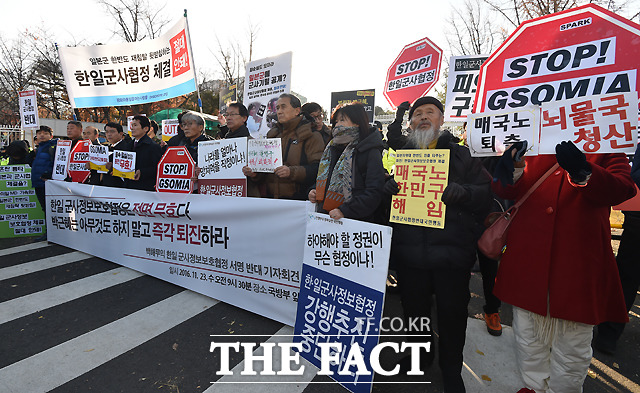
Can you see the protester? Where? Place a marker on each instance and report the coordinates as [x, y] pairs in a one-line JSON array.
[[350, 175], [438, 261], [302, 150], [74, 132], [148, 155], [315, 112], [558, 269], [628, 261], [18, 152], [153, 132], [115, 136], [233, 124], [42, 166], [91, 133]]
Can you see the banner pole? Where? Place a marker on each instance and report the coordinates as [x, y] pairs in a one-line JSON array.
[[195, 73]]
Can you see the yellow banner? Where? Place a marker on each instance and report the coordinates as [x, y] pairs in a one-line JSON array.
[[422, 176], [126, 175], [99, 168]]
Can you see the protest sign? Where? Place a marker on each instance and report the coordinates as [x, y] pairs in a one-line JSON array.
[[595, 124], [264, 155], [175, 171], [413, 73], [130, 73], [124, 164], [344, 275], [20, 212], [169, 129], [265, 80], [231, 249], [29, 109], [366, 97], [77, 161], [228, 95], [422, 176], [98, 158], [221, 165], [491, 133], [61, 160], [461, 86], [580, 52]]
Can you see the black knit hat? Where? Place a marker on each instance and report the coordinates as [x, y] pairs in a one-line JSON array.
[[424, 101]]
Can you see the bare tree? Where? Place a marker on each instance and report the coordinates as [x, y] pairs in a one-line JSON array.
[[472, 31], [136, 19], [15, 75]]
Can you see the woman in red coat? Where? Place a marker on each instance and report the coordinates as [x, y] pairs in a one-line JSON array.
[[558, 269]]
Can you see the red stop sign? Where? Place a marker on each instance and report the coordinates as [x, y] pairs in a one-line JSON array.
[[78, 160], [175, 170], [413, 73], [579, 52]]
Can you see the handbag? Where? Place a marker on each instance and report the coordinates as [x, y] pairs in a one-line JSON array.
[[493, 241]]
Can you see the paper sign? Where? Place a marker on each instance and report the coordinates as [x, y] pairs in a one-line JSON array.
[[61, 160], [29, 109], [124, 164], [265, 155], [491, 133], [221, 165], [422, 176], [169, 129], [461, 86], [98, 158]]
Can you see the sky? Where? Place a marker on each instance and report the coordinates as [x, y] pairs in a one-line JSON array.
[[336, 45]]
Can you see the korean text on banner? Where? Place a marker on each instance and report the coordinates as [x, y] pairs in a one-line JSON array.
[[130, 73], [461, 86], [265, 155], [61, 160], [221, 165], [596, 124], [265, 80], [231, 249], [580, 52], [422, 176], [344, 275], [124, 164], [366, 97], [491, 133], [169, 129], [29, 109], [20, 212]]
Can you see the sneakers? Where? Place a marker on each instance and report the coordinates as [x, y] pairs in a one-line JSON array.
[[493, 324]]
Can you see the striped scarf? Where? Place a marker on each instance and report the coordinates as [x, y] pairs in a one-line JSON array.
[[339, 189]]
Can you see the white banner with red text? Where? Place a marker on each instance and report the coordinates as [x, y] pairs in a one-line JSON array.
[[243, 251]]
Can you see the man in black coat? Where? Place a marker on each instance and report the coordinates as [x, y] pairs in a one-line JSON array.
[[148, 155], [233, 124], [115, 137], [438, 261]]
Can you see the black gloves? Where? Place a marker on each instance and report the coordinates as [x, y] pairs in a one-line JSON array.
[[504, 168], [397, 123], [572, 160], [391, 187], [455, 194]]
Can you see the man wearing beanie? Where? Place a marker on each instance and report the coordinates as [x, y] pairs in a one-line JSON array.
[[432, 261]]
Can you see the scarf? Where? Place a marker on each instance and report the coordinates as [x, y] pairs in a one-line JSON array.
[[339, 188]]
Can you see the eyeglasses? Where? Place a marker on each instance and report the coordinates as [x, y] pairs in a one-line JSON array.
[[231, 114]]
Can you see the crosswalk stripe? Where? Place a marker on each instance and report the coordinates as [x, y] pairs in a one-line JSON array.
[[42, 264], [25, 305], [23, 248], [234, 383], [62, 363]]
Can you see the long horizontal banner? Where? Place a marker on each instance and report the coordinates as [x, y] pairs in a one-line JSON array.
[[244, 251], [130, 73]]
